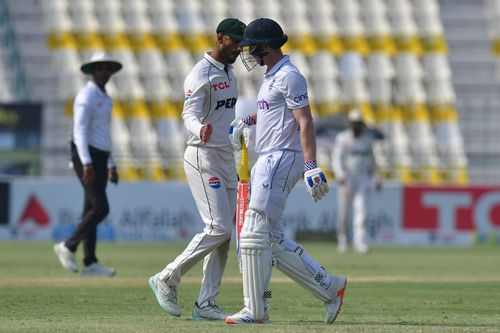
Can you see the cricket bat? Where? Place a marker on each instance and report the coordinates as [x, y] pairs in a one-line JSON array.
[[242, 198]]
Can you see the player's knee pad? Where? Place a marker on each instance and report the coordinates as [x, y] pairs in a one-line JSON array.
[[293, 261], [256, 262], [255, 231]]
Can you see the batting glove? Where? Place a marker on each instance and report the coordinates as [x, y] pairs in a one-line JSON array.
[[315, 180], [241, 128]]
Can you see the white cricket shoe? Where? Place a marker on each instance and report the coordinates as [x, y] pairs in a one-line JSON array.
[[165, 295], [211, 311], [96, 269], [338, 287], [245, 317], [66, 257], [342, 245], [362, 248]]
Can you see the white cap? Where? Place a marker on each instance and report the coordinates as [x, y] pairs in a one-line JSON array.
[[355, 116]]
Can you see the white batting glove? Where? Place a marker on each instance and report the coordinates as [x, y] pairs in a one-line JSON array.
[[241, 128], [315, 180]]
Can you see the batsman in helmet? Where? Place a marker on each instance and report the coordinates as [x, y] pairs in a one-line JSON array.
[[286, 146]]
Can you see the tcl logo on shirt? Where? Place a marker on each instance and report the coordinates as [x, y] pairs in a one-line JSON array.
[[451, 209], [220, 86]]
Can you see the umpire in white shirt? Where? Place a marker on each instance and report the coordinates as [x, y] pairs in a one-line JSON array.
[[93, 164]]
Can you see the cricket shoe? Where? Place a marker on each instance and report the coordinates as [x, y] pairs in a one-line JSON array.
[[342, 245], [96, 269], [338, 287], [66, 257], [211, 311], [361, 248], [245, 317], [165, 295]]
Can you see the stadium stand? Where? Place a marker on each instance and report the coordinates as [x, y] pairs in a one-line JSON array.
[[408, 65], [476, 87]]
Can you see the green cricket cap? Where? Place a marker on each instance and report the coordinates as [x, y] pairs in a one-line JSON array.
[[232, 27]]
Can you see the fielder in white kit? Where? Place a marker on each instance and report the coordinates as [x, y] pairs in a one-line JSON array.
[[209, 108], [355, 170], [286, 147]]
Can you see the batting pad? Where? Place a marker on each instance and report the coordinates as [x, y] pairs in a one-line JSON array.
[[293, 261], [256, 262]]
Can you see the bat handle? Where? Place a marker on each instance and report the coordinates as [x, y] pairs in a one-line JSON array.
[[244, 161]]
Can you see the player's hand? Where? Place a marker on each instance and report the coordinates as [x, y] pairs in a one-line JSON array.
[[88, 176], [206, 132], [238, 129], [113, 175], [316, 183]]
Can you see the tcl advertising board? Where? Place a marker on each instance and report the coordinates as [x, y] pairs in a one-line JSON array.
[[456, 215], [150, 211]]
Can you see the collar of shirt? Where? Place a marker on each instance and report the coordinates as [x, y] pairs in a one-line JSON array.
[[277, 66], [214, 62], [92, 84]]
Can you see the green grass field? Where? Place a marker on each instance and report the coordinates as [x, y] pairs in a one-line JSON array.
[[389, 290]]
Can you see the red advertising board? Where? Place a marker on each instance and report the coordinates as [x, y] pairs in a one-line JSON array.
[[472, 208]]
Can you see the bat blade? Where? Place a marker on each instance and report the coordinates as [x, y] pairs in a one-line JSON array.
[[241, 208]]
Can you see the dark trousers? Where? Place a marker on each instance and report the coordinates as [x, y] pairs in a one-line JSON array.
[[95, 204]]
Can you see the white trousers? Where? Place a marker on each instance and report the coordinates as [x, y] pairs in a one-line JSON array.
[[273, 177], [353, 196], [211, 175]]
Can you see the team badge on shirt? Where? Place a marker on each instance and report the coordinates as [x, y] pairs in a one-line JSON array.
[[188, 94], [214, 182]]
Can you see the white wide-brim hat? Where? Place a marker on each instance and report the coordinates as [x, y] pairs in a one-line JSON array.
[[100, 58]]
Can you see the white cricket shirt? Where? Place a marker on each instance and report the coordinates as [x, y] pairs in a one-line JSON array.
[[353, 156], [92, 121], [210, 97], [283, 89]]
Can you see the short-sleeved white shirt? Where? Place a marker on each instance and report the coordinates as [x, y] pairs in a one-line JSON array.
[[283, 89], [210, 97]]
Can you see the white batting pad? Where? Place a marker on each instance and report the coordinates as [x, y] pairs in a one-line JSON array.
[[256, 262], [293, 261]]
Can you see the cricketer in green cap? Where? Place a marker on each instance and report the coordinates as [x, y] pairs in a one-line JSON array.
[[232, 27]]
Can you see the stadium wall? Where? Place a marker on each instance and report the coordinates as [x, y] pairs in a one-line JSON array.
[[149, 211]]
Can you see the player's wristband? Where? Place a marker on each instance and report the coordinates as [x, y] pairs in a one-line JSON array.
[[249, 121], [309, 165]]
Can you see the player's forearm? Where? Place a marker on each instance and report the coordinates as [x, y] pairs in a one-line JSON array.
[[308, 140]]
